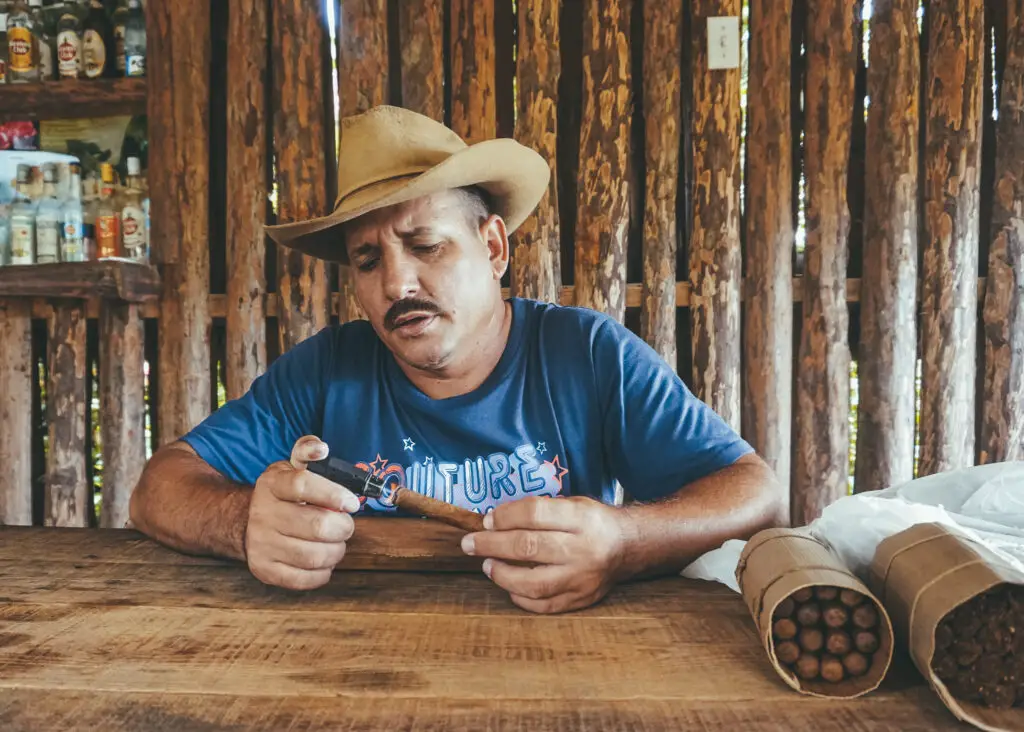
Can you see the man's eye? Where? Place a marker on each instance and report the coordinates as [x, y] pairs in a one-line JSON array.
[[426, 248], [367, 264]]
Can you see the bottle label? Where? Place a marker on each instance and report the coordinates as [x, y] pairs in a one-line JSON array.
[[95, 54], [69, 54], [3, 71], [136, 65], [45, 60], [21, 244], [107, 244], [47, 242], [19, 46], [119, 46], [72, 242], [133, 232]]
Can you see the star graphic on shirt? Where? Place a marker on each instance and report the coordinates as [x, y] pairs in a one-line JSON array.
[[542, 447], [408, 443], [559, 470], [429, 460], [378, 464]]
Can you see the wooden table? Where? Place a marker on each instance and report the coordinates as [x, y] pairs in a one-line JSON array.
[[105, 630]]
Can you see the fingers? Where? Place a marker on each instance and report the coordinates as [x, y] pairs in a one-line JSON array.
[[546, 547], [305, 555], [551, 514], [306, 450], [290, 578], [313, 524], [536, 583], [301, 486]]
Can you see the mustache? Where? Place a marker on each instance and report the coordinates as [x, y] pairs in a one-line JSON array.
[[408, 305]]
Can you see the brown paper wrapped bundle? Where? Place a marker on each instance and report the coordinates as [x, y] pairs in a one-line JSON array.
[[785, 572], [924, 575]]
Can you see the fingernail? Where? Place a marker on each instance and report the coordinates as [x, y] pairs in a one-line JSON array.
[[321, 451], [489, 521], [468, 544], [487, 567]]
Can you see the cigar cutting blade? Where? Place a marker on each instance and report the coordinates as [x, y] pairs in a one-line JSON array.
[[359, 481]]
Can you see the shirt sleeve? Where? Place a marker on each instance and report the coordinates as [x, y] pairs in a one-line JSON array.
[[247, 434], [657, 435]]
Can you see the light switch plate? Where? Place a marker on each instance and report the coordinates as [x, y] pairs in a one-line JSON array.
[[724, 42]]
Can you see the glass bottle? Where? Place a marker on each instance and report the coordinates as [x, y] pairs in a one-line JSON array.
[[117, 21], [69, 43], [48, 219], [5, 232], [23, 221], [44, 49], [108, 239], [72, 242], [135, 40], [22, 54], [133, 217], [3, 46], [97, 43]]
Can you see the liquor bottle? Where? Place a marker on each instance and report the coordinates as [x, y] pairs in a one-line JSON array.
[[72, 242], [89, 198], [108, 239], [5, 233], [23, 221], [133, 223], [97, 43], [48, 220], [117, 21], [44, 50], [22, 54], [3, 45], [69, 43], [135, 40]]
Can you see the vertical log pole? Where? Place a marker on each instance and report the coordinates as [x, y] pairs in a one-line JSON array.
[[715, 257], [122, 408], [823, 383], [68, 500], [767, 407], [888, 311], [1002, 425], [248, 39], [421, 31], [602, 223], [363, 82], [299, 36], [474, 115], [663, 25], [536, 256], [179, 128], [949, 305], [15, 413]]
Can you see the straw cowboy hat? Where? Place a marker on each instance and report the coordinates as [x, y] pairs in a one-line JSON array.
[[389, 155]]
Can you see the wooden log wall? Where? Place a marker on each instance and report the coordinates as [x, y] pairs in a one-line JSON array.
[[737, 273]]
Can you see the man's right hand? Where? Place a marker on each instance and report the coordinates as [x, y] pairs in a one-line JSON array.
[[298, 522]]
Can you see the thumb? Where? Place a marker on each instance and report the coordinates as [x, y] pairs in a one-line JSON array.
[[306, 450]]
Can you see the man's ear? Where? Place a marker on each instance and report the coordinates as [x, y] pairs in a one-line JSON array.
[[495, 236]]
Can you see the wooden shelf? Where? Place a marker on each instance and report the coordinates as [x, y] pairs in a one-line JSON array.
[[72, 99], [111, 279]]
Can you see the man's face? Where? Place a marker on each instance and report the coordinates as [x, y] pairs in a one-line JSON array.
[[427, 273]]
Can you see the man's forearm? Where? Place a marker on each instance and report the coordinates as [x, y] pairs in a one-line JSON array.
[[184, 503], [736, 502]]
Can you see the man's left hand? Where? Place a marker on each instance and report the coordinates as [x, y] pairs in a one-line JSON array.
[[577, 546]]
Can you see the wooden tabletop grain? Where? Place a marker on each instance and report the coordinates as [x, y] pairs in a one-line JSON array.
[[105, 630]]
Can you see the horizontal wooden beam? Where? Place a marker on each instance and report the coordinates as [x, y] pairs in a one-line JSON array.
[[71, 99], [218, 303], [104, 279]]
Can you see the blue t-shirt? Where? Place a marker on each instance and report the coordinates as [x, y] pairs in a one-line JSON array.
[[576, 403]]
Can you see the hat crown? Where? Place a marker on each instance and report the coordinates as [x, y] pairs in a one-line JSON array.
[[388, 142]]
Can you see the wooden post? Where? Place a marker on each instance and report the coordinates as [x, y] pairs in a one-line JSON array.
[[179, 114], [15, 413], [888, 312], [536, 256], [421, 30], [363, 82], [715, 258], [768, 351], [949, 306], [1002, 424], [474, 115], [122, 408], [248, 41], [602, 222], [663, 25], [300, 35], [823, 382], [68, 499]]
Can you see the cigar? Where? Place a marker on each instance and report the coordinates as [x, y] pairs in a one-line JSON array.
[[865, 616], [414, 502], [787, 651], [784, 609], [803, 595], [835, 615], [826, 593], [831, 669], [856, 664], [966, 652], [785, 629], [807, 667], [943, 635], [838, 643], [811, 640], [809, 614], [944, 666], [850, 598], [865, 641]]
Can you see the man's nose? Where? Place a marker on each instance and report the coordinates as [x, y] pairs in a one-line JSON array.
[[401, 277]]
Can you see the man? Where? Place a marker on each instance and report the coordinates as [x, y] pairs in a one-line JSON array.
[[528, 412]]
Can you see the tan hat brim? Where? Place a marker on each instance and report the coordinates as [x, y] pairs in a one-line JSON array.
[[515, 176]]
